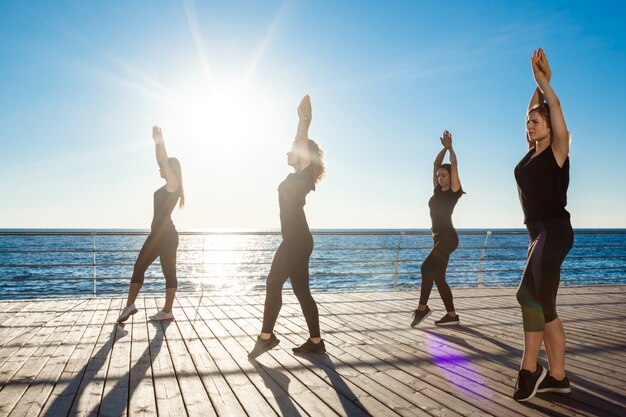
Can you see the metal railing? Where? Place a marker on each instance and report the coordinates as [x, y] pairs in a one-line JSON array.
[[91, 263]]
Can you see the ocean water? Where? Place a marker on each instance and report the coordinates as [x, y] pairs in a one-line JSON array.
[[37, 264]]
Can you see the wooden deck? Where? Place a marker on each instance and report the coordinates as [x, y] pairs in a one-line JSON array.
[[61, 357]]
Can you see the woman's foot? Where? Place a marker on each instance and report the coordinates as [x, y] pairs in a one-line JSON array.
[[310, 347], [162, 315], [528, 383], [126, 313], [263, 345], [420, 315], [449, 320]]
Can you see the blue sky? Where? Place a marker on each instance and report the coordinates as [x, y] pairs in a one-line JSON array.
[[82, 83]]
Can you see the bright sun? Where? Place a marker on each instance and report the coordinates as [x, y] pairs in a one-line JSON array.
[[221, 118]]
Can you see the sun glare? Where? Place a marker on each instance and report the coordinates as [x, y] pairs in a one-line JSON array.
[[221, 119]]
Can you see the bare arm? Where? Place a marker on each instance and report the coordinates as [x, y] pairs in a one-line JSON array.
[[560, 135], [172, 183], [305, 114], [455, 182], [536, 99], [437, 164]]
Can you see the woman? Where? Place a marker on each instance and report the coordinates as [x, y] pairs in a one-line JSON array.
[[292, 257], [162, 241], [542, 179], [445, 240]]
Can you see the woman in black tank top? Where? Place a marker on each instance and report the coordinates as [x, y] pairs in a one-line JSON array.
[[542, 178], [447, 191], [292, 257], [162, 241]]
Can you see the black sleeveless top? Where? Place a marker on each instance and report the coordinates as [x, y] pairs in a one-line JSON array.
[[291, 200], [164, 203], [542, 186], [441, 206]]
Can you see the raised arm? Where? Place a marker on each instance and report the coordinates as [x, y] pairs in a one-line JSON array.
[[437, 164], [305, 114], [172, 182], [455, 182], [536, 99], [560, 135]]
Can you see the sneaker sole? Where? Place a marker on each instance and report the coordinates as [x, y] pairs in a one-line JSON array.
[[423, 318], [166, 319], [452, 323], [544, 373], [557, 390], [123, 319], [310, 352]]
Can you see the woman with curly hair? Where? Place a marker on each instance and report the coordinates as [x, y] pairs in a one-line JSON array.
[[542, 179], [292, 257]]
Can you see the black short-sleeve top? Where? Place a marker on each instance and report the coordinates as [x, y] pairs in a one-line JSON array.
[[441, 206], [291, 200], [542, 186], [164, 203]]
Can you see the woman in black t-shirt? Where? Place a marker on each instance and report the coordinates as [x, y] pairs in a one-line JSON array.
[[542, 178], [292, 257], [445, 240], [162, 242]]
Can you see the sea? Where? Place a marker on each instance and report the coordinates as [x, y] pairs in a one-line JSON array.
[[37, 263]]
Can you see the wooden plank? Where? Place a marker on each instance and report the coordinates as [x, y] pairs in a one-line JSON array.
[[195, 396], [249, 386], [222, 396], [167, 391], [482, 371], [303, 388], [32, 361], [348, 393], [79, 390], [141, 390], [357, 366], [37, 394]]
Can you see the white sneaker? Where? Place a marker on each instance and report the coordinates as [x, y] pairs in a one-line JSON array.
[[126, 313], [162, 315]]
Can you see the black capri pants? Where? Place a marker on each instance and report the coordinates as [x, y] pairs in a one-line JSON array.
[[291, 261], [549, 242], [162, 245]]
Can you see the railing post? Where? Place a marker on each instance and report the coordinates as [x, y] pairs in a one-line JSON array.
[[93, 236], [396, 262], [482, 256]]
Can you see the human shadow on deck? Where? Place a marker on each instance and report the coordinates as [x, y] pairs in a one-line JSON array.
[[110, 404], [278, 382], [65, 401], [349, 401], [587, 396], [118, 398]]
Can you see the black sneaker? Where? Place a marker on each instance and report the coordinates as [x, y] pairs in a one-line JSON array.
[[448, 320], [550, 384], [527, 383], [263, 345], [310, 347], [419, 316]]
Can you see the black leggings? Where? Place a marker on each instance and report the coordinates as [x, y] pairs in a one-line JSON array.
[[162, 245], [549, 242], [291, 261], [434, 268]]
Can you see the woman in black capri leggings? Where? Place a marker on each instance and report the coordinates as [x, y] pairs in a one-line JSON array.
[[542, 179], [445, 240], [163, 239], [292, 257]]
